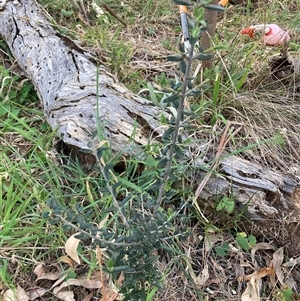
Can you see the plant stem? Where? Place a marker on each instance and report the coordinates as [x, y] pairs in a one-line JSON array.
[[94, 237], [176, 129], [109, 188]]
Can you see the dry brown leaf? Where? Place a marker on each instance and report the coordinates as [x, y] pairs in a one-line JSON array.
[[272, 277], [41, 274], [22, 295], [88, 297], [259, 274], [18, 295], [260, 246], [120, 279], [50, 276], [37, 293], [90, 284], [202, 277], [110, 291], [71, 247], [58, 281], [233, 249], [39, 270], [62, 290], [64, 294], [251, 292], [10, 295], [286, 280], [110, 296], [87, 283], [211, 239], [292, 262], [67, 260], [276, 263]]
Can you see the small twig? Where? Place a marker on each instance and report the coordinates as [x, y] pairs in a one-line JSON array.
[[107, 8], [92, 236], [99, 259], [81, 11], [215, 165], [220, 150], [224, 141], [112, 193]]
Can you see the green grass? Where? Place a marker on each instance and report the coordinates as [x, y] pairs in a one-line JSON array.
[[31, 172]]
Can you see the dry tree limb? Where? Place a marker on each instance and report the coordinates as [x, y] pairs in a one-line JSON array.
[[65, 77]]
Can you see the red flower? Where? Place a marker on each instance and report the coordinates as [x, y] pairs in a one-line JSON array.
[[248, 31]]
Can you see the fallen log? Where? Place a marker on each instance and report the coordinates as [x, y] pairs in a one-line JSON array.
[[272, 201], [79, 94], [66, 80]]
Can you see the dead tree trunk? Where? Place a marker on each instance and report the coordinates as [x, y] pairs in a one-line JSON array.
[[76, 99], [65, 78]]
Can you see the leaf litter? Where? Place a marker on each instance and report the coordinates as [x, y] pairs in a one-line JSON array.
[[55, 283]]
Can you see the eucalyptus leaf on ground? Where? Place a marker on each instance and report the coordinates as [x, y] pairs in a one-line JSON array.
[[71, 247], [16, 295]]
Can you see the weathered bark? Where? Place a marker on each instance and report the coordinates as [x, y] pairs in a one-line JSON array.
[[269, 201], [65, 78]]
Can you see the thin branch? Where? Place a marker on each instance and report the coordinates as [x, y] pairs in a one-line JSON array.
[[116, 204], [176, 129], [94, 237], [224, 141]]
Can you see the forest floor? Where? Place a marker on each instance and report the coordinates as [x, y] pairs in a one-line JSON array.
[[216, 262]]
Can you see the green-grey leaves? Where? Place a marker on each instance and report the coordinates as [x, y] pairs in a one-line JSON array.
[[175, 58], [183, 2]]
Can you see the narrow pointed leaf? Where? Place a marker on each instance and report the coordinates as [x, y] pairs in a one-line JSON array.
[[174, 58], [214, 7], [182, 66], [202, 56], [171, 98], [183, 2]]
